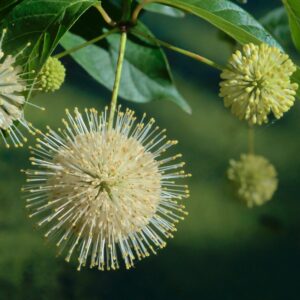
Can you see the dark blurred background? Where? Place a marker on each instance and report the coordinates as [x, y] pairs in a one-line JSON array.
[[222, 251]]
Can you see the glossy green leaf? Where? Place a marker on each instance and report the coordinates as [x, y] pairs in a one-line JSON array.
[[293, 10], [146, 76], [42, 23], [228, 17], [277, 23]]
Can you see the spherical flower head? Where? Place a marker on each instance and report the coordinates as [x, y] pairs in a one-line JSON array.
[[257, 82], [13, 87], [254, 178], [52, 75], [104, 192]]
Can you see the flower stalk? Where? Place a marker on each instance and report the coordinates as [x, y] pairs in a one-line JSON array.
[[117, 82], [138, 10], [105, 15], [251, 139]]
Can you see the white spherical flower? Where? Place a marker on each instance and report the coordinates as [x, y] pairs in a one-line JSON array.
[[257, 82], [105, 193], [12, 98]]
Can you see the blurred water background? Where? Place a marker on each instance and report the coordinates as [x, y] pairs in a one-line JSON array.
[[222, 251]]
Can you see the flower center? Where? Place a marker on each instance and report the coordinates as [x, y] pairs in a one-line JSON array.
[[104, 186], [260, 83]]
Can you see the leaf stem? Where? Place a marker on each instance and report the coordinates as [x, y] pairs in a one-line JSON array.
[[181, 51], [251, 139], [117, 79], [83, 45], [138, 9], [104, 14]]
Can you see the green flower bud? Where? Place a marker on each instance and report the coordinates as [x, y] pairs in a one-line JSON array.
[[52, 75], [254, 178]]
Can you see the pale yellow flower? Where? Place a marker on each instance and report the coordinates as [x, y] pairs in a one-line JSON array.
[[257, 82], [254, 178]]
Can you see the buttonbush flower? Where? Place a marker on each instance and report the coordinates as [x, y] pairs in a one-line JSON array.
[[106, 193], [52, 75], [12, 98], [254, 178], [257, 82]]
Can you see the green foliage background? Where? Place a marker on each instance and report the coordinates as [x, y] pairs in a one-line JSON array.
[[223, 250]]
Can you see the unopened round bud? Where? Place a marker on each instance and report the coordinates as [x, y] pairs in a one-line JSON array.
[[52, 75], [254, 178]]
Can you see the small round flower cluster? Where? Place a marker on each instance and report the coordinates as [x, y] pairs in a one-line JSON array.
[[257, 82], [254, 178], [105, 192], [52, 75]]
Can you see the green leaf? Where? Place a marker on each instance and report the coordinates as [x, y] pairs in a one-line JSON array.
[[6, 6], [277, 23], [146, 76], [293, 10], [164, 10], [42, 23], [228, 17]]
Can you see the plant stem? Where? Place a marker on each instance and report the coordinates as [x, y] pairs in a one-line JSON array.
[[138, 9], [83, 45], [181, 51], [117, 79], [104, 14], [251, 139]]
